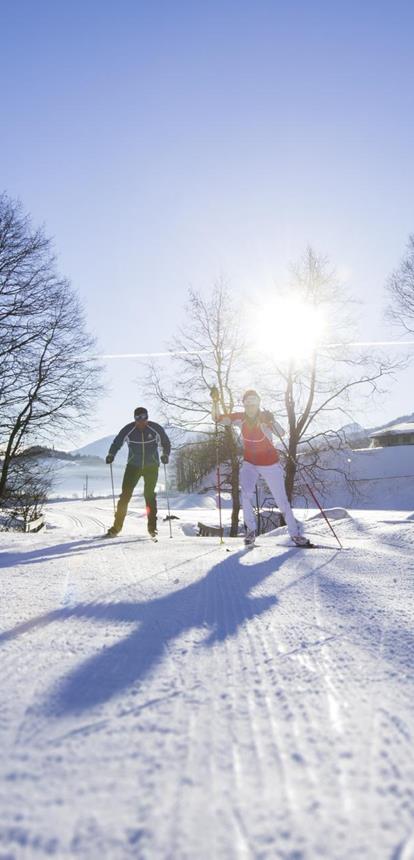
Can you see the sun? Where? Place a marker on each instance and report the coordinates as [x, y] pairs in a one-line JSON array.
[[288, 328]]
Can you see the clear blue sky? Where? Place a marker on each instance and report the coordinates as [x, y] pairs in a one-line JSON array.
[[164, 144]]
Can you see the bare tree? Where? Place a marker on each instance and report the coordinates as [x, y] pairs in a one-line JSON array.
[[194, 460], [400, 288], [48, 379], [28, 484], [206, 351], [323, 385]]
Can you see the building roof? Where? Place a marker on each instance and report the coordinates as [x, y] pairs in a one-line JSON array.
[[395, 430]]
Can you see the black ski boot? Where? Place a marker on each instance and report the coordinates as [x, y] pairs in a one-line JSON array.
[[111, 533], [302, 542], [249, 538]]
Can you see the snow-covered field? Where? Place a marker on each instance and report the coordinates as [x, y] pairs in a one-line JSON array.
[[70, 479], [188, 699]]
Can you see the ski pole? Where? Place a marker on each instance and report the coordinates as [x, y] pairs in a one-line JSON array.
[[168, 500], [323, 513], [214, 394], [258, 509], [292, 459], [218, 479], [113, 490]]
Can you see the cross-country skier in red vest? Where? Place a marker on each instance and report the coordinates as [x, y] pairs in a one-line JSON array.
[[260, 458]]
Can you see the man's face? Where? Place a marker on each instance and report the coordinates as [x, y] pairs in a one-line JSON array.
[[140, 421], [252, 406]]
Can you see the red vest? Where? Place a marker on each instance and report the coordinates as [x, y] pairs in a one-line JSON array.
[[257, 440]]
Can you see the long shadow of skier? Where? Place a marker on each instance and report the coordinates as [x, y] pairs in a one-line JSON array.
[[219, 603], [60, 550]]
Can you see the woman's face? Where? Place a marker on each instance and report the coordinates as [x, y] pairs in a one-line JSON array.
[[252, 406]]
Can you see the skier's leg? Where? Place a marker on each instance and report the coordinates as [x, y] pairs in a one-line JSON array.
[[131, 477], [150, 480], [248, 478], [275, 480]]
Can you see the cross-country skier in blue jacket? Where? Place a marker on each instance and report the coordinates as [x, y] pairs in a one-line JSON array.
[[143, 438]]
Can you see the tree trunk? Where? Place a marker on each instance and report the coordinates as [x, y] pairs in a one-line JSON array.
[[8, 456], [290, 471]]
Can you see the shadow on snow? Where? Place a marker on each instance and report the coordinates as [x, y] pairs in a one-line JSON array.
[[219, 603]]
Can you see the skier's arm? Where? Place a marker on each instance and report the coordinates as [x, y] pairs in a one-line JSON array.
[[274, 425], [119, 440], [277, 428], [165, 442]]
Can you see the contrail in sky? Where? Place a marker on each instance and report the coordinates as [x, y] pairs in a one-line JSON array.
[[202, 351], [374, 343], [151, 354]]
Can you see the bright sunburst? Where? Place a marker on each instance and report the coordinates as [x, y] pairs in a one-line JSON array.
[[288, 328]]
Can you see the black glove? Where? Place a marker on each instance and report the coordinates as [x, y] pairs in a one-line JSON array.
[[214, 393], [109, 459], [164, 459]]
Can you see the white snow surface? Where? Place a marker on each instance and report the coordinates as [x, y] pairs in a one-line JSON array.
[[381, 477], [190, 699]]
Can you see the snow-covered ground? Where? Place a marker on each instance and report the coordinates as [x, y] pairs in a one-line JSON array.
[[188, 699], [381, 477]]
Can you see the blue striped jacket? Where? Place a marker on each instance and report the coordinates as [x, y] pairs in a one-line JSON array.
[[142, 444]]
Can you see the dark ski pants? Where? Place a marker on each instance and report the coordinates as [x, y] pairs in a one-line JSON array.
[[131, 477]]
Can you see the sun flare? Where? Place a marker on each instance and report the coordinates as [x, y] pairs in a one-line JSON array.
[[288, 328]]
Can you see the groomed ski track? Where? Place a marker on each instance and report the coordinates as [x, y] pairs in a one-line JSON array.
[[175, 701]]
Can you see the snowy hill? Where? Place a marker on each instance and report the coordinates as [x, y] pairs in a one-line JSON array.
[[352, 430], [99, 448]]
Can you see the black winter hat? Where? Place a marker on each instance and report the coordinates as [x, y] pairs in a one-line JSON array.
[[140, 412]]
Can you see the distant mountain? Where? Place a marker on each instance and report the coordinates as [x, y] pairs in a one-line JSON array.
[[353, 430], [43, 452], [100, 448]]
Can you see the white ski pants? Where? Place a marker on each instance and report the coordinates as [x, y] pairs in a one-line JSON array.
[[274, 477]]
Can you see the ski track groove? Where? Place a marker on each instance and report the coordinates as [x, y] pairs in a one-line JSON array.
[[234, 654], [197, 755], [291, 718], [226, 739], [302, 734], [340, 710], [234, 791], [279, 715], [173, 799], [333, 699], [264, 742], [374, 733]]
